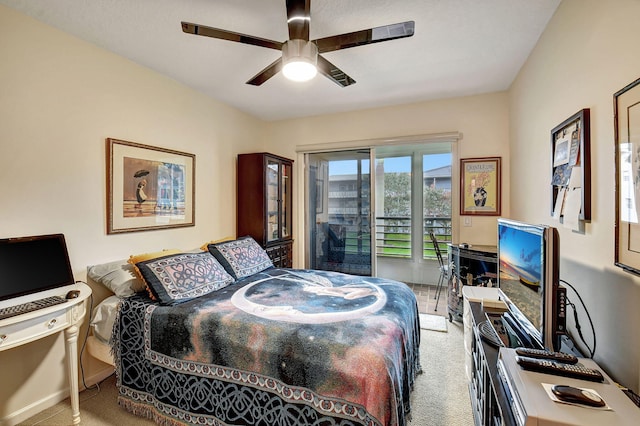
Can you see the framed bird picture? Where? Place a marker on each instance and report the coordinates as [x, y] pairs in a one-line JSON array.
[[148, 188]]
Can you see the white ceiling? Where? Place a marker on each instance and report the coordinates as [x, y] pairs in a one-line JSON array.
[[460, 47]]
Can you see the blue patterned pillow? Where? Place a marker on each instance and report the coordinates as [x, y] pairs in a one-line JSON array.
[[180, 277], [241, 257]]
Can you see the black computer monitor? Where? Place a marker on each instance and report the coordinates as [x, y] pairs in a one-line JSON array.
[[33, 264]]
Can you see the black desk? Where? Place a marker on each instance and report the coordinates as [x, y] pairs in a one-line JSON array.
[[489, 402], [475, 265]]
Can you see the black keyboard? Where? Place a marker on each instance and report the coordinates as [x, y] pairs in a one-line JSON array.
[[576, 371], [12, 311]]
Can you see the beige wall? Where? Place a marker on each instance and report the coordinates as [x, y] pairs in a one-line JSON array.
[[587, 53], [59, 99], [482, 120]]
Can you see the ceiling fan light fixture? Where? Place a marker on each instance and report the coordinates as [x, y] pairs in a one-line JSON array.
[[299, 59]]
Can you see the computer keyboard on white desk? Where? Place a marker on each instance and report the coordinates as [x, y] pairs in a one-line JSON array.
[[23, 308]]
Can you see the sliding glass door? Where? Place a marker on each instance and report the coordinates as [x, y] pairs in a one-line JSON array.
[[413, 197], [402, 191], [339, 211]]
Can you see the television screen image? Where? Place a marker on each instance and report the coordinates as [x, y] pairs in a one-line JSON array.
[[521, 274], [528, 277]]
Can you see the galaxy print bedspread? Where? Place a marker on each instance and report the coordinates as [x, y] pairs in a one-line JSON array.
[[281, 347]]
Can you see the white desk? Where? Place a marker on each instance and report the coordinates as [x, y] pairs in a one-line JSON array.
[[29, 327], [532, 406]]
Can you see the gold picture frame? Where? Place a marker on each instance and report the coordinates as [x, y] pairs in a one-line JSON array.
[[626, 107], [148, 188], [480, 186]]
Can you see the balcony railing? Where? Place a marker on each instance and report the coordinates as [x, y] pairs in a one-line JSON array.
[[393, 236]]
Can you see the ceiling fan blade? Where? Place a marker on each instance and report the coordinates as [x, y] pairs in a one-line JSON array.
[[359, 38], [333, 73], [266, 73], [203, 30], [298, 17]]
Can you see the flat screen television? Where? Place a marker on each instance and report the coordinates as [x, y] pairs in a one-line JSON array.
[[528, 277], [33, 264]]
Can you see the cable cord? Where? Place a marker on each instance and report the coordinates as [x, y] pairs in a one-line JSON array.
[[97, 385], [84, 343], [592, 352], [84, 399]]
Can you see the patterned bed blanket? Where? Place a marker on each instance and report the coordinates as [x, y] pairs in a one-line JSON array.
[[281, 347]]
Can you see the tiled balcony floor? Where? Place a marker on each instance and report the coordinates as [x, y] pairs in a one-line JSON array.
[[426, 299]]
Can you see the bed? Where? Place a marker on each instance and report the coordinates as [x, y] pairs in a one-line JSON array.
[[266, 346]]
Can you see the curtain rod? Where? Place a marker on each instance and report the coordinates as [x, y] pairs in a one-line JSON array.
[[369, 143]]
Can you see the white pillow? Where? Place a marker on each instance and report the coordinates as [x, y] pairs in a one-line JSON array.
[[104, 316], [118, 276]]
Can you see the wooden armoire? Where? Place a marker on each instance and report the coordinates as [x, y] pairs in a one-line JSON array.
[[264, 204]]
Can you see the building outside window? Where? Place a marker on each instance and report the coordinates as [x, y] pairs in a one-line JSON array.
[[397, 195]]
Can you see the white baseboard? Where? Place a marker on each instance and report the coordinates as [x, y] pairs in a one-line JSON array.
[[34, 408], [97, 377]]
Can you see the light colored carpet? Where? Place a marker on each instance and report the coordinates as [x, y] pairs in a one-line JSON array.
[[440, 396], [441, 393], [433, 322]]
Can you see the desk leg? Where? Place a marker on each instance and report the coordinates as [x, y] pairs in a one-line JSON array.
[[71, 340]]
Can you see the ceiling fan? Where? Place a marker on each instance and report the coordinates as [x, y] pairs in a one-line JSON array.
[[301, 57]]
